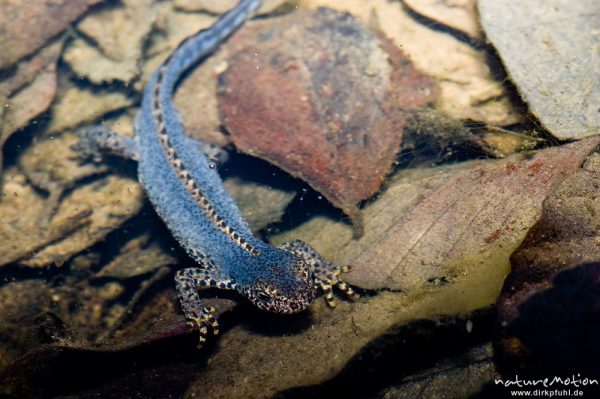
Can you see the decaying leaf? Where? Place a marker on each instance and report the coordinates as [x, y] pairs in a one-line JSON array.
[[503, 143], [432, 226], [430, 135], [28, 91], [25, 71], [467, 88], [307, 351], [175, 26], [552, 58], [26, 26], [88, 62], [138, 256], [320, 96], [51, 164], [565, 236], [108, 203], [77, 106], [120, 32], [23, 212], [27, 103]]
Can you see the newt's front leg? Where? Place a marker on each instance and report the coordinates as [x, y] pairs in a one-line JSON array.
[[326, 275], [187, 283]]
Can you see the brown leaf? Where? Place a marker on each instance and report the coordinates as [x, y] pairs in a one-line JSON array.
[[26, 70], [551, 57], [565, 236], [50, 164], [28, 93], [431, 226], [137, 257], [23, 211], [120, 33], [29, 102], [26, 25], [326, 102], [111, 200], [468, 88], [174, 27], [76, 106]]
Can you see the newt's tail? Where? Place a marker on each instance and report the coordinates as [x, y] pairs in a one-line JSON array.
[[196, 47]]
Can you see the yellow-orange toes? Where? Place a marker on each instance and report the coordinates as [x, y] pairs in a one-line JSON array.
[[334, 280], [328, 293], [204, 320], [343, 286], [346, 289]]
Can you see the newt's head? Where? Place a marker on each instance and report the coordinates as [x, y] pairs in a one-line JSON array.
[[288, 287]]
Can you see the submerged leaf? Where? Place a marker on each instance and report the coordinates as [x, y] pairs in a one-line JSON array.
[[120, 33], [76, 106], [432, 226], [24, 211], [109, 202], [325, 101], [26, 26], [565, 236], [468, 88]]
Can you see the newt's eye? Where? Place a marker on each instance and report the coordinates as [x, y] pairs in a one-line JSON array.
[[264, 297]]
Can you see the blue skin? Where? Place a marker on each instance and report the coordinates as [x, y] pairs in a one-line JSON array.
[[188, 223], [283, 279]]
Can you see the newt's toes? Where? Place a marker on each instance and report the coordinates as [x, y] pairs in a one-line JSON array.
[[203, 320]]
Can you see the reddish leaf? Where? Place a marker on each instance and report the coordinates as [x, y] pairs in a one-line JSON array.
[[323, 98], [435, 226], [28, 25]]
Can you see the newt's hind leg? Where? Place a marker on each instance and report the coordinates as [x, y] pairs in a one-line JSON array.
[[187, 283], [101, 140], [325, 274]]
